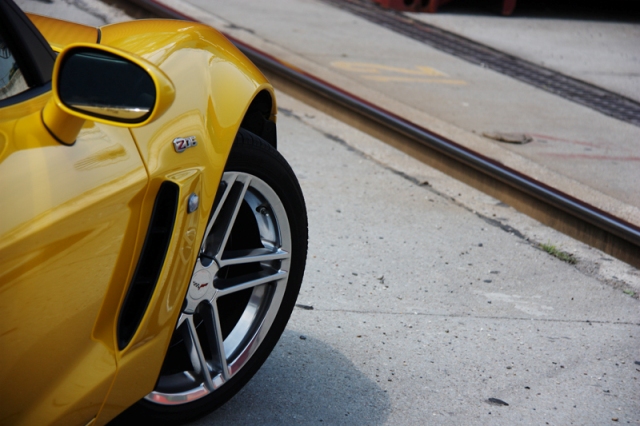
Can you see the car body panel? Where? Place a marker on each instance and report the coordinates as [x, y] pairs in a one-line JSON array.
[[209, 105], [61, 33], [92, 203], [65, 213]]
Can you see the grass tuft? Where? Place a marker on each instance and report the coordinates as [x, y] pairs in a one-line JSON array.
[[556, 252]]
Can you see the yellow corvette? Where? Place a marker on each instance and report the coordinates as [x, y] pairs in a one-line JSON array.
[[152, 239]]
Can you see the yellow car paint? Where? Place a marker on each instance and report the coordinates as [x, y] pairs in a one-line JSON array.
[[209, 105], [64, 215], [64, 127], [61, 33], [74, 219]]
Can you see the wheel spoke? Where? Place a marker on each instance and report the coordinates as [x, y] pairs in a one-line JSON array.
[[248, 281], [225, 217], [196, 354], [214, 334], [240, 257]]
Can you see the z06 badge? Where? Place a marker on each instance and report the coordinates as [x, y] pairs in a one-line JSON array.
[[180, 144]]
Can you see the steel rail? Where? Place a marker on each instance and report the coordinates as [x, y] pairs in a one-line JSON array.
[[510, 177]]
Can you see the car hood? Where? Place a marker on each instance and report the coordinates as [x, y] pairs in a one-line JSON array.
[[156, 39], [61, 33], [152, 39]]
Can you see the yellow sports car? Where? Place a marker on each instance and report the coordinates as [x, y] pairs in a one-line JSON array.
[[152, 238]]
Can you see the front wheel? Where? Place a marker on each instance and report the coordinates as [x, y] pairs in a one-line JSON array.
[[243, 289]]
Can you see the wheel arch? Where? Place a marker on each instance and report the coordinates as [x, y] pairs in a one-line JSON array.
[[259, 118]]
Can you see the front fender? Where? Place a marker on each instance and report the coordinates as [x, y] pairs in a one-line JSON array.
[[214, 86], [215, 83]]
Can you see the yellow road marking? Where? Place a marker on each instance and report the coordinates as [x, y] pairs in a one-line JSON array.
[[385, 78], [385, 73]]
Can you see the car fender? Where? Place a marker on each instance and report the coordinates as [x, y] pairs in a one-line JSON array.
[[215, 85]]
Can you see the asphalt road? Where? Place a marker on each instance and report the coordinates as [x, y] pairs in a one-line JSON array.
[[427, 302]]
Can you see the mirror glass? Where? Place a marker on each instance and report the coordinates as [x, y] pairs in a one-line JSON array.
[[105, 85]]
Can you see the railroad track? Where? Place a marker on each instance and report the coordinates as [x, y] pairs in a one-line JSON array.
[[554, 208]]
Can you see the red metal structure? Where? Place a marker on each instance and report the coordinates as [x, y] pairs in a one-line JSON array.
[[431, 6]]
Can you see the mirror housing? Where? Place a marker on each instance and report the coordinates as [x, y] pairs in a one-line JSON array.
[[107, 85]]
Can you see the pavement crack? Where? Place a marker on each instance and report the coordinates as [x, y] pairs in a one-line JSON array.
[[481, 317], [503, 226], [233, 26], [289, 113]]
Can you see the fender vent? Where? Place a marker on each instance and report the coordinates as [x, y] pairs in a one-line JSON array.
[[150, 263]]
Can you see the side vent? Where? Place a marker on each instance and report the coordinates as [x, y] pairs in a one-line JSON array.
[[150, 263]]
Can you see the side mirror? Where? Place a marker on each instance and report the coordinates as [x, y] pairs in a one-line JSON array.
[[100, 83]]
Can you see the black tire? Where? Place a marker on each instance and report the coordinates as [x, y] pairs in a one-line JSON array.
[[271, 220]]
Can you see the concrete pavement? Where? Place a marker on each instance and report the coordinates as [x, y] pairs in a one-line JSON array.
[[94, 13], [589, 40], [432, 303], [429, 299], [575, 149]]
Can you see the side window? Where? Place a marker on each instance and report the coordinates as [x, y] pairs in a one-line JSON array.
[[12, 81]]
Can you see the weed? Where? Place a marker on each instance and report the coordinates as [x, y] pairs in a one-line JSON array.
[[556, 252]]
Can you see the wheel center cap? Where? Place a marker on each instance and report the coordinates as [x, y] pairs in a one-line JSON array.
[[201, 283]]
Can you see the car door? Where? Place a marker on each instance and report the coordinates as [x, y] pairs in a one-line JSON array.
[[68, 224]]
